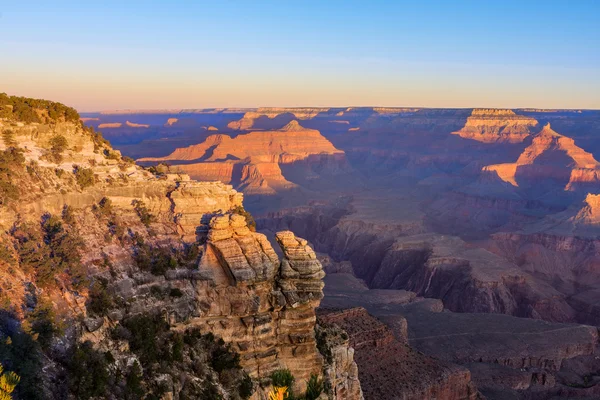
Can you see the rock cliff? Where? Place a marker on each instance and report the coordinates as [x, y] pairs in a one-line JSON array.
[[124, 247]]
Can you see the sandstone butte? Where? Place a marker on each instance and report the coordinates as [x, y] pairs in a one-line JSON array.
[[551, 156], [114, 125], [239, 289], [497, 126], [252, 162]]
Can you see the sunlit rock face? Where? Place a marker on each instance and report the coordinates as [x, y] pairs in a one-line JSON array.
[[263, 307], [497, 126]]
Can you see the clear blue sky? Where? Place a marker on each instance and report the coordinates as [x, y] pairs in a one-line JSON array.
[[109, 55]]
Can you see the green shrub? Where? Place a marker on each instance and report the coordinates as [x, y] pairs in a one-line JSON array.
[[249, 218], [175, 292], [22, 354], [157, 260], [84, 176], [246, 387], [50, 251], [145, 331], [282, 378], [43, 323], [8, 192], [88, 372], [141, 210], [12, 163], [104, 208], [6, 251], [8, 136], [133, 383], [67, 215], [58, 144], [177, 347], [223, 358], [99, 300], [26, 109], [189, 255], [314, 387], [111, 155]]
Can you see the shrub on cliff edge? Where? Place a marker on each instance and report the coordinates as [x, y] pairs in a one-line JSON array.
[[84, 176]]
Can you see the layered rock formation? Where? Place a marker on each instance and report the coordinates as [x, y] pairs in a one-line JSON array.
[[243, 296], [288, 144], [160, 245], [550, 156], [507, 357], [390, 369], [252, 162], [497, 126]]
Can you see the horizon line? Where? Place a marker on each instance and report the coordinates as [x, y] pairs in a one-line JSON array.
[[200, 109]]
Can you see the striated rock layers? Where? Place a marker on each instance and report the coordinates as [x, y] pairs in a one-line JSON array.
[[551, 156], [497, 126], [265, 309], [252, 162], [162, 246], [389, 369]]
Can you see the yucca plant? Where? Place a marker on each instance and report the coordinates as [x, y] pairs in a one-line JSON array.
[[278, 393], [8, 383], [314, 387]]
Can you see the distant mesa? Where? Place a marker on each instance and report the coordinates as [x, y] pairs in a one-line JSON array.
[[551, 155], [114, 125], [110, 125], [88, 119], [497, 126], [134, 125], [171, 121], [212, 128]]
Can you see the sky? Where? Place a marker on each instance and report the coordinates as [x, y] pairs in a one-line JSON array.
[[154, 55]]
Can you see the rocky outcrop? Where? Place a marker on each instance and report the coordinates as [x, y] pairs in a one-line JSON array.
[[159, 245], [341, 370], [266, 312], [390, 369]]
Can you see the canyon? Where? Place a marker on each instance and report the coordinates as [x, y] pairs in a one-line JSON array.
[[119, 283], [386, 252], [487, 214]]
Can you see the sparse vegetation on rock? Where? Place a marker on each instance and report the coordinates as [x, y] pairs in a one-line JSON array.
[[58, 144], [12, 162], [30, 110], [8, 136], [249, 218], [84, 176], [50, 250], [142, 211]]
